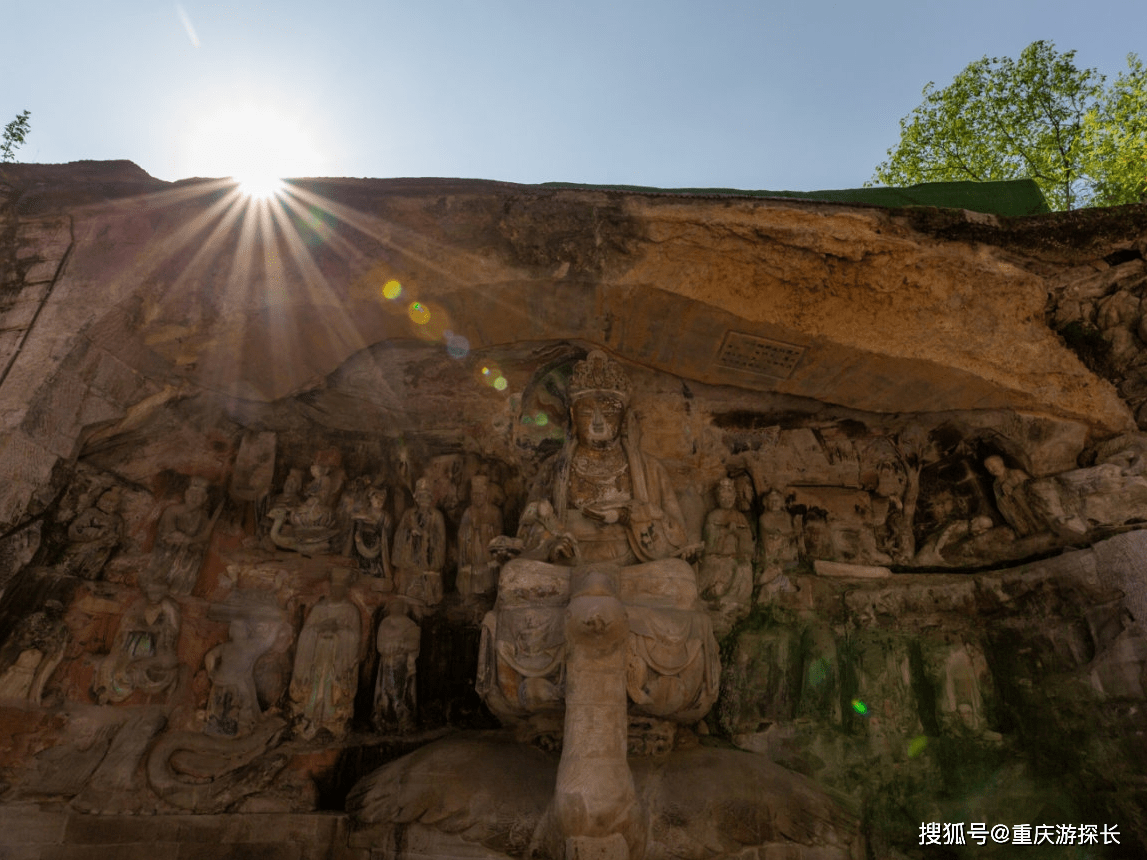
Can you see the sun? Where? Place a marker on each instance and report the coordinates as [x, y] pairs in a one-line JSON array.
[[259, 185], [257, 145]]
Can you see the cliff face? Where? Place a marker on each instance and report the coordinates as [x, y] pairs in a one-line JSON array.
[[934, 398]]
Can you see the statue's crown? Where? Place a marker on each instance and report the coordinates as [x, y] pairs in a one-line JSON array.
[[598, 373]]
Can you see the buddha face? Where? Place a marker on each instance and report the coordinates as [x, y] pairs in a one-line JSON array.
[[195, 496], [726, 495], [597, 419], [995, 465]]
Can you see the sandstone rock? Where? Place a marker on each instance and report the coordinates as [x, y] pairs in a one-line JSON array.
[[945, 494]]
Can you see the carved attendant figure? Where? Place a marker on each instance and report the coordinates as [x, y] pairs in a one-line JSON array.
[[482, 522], [399, 642], [29, 657], [181, 539], [420, 548], [1012, 497], [372, 536], [143, 656], [94, 535], [326, 662], [726, 579], [233, 705], [779, 541]]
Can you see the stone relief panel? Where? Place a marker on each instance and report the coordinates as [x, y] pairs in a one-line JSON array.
[[609, 546]]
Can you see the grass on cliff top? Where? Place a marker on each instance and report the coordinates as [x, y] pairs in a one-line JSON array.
[[1008, 198]]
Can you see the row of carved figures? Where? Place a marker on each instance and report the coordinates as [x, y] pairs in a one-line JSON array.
[[249, 672], [326, 517]]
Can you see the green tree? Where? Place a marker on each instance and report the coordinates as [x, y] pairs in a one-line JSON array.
[[1116, 136], [14, 134], [1038, 117]]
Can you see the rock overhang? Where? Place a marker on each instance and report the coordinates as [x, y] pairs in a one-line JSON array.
[[871, 309]]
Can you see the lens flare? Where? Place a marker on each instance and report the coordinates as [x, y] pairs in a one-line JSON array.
[[392, 289], [917, 745], [456, 345], [419, 313], [859, 707], [500, 383]]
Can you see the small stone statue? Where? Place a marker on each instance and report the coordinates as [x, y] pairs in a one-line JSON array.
[[291, 496], [779, 541], [482, 522], [317, 509], [325, 675], [305, 520], [420, 549], [233, 706], [93, 536], [398, 642], [29, 657], [1012, 500], [371, 536], [181, 540], [726, 576], [144, 654]]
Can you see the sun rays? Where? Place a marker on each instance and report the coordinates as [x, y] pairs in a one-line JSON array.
[[265, 286]]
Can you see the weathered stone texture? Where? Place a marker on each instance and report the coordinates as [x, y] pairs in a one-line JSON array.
[[230, 447]]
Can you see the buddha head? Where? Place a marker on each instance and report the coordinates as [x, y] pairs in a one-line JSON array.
[[196, 494], [599, 391], [995, 465], [422, 495], [479, 490], [726, 494]]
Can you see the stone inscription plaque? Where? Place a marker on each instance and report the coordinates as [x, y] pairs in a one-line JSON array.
[[759, 355]]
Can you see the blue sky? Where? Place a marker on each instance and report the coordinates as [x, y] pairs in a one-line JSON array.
[[798, 96]]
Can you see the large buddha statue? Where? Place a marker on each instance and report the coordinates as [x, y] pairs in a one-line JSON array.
[[616, 507], [598, 627]]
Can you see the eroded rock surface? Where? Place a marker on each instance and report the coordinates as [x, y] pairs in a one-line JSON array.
[[268, 478]]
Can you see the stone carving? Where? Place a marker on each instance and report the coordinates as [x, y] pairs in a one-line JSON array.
[[481, 523], [317, 510], [93, 536], [615, 513], [304, 519], [1068, 505], [144, 654], [1012, 499], [292, 495], [370, 536], [399, 641], [233, 704], [420, 549], [32, 653], [209, 774], [594, 799], [959, 542], [114, 787], [181, 540], [959, 702], [726, 574], [779, 543], [325, 675]]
